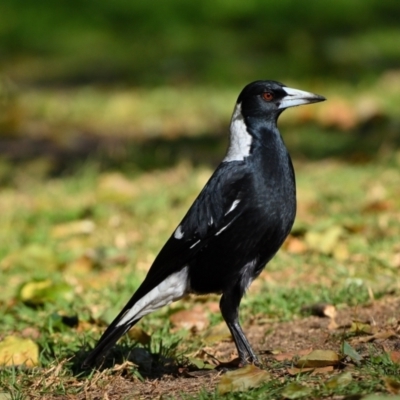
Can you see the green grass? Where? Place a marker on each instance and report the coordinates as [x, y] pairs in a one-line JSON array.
[[89, 225], [133, 218]]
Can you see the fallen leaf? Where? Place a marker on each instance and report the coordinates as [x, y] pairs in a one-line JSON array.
[[242, 379], [18, 351], [217, 333], [325, 241], [45, 291], [395, 356], [295, 245], [392, 385], [383, 335], [195, 318], [200, 364], [139, 335], [82, 227], [347, 350], [295, 391], [318, 358], [339, 380], [358, 327]]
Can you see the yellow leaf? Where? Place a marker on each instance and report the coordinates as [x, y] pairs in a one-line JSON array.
[[217, 333], [318, 358], [139, 335], [44, 291], [242, 379], [295, 391], [18, 351]]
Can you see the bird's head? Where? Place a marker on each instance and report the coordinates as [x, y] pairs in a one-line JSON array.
[[267, 99]]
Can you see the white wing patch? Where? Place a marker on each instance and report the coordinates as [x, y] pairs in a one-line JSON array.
[[170, 289], [233, 206], [222, 229], [178, 234], [240, 139], [194, 244]]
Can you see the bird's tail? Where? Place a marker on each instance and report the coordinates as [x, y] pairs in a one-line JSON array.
[[107, 340]]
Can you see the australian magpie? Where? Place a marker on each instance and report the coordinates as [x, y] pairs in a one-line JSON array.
[[234, 227]]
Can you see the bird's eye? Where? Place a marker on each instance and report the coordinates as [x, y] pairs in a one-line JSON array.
[[268, 96]]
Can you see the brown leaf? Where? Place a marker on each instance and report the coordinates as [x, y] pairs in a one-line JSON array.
[[139, 335], [395, 356], [82, 227], [18, 351], [318, 358], [383, 335], [242, 379], [392, 385], [295, 245], [217, 334], [195, 318]]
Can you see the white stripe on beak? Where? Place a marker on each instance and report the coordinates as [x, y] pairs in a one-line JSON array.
[[297, 97]]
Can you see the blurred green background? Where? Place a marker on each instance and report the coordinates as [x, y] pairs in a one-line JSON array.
[[131, 81]]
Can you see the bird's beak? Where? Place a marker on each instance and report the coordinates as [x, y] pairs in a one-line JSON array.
[[295, 97]]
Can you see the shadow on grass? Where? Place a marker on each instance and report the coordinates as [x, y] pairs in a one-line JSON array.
[[306, 141], [150, 362]]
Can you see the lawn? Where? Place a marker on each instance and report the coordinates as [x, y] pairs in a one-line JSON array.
[[100, 179]]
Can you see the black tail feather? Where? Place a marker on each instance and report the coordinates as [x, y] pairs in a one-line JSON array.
[[107, 340]]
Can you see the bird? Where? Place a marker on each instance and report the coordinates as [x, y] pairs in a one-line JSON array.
[[235, 226]]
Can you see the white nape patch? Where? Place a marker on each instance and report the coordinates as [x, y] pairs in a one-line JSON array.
[[222, 229], [211, 221], [233, 206], [194, 244], [173, 288], [178, 234], [297, 97], [240, 139]]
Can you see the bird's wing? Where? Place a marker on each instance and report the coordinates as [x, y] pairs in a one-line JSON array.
[[217, 207]]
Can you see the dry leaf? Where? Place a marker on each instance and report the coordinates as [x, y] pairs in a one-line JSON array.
[[295, 391], [18, 351], [383, 335], [40, 292], [395, 356], [339, 380], [392, 385], [242, 379], [294, 245], [325, 241], [217, 333], [82, 227], [318, 358], [139, 335], [358, 327], [195, 318]]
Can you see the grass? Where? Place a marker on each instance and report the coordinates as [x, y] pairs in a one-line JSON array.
[[92, 232]]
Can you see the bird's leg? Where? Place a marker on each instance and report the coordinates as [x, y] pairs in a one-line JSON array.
[[229, 305]]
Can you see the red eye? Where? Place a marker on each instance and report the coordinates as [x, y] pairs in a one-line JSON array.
[[267, 96]]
